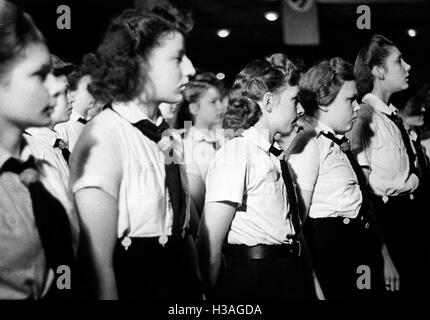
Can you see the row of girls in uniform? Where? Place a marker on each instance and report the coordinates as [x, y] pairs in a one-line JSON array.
[[154, 226]]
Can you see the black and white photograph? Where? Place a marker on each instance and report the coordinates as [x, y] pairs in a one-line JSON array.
[[215, 157]]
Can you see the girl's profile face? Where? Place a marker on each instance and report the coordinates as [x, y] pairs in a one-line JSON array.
[[63, 101], [415, 121], [169, 70], [396, 71], [342, 112], [286, 110], [25, 99]]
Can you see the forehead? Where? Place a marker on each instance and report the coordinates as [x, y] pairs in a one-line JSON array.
[[211, 93], [59, 84], [289, 91], [34, 57], [348, 89], [394, 53], [171, 43]]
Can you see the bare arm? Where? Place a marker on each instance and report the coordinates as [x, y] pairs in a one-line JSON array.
[[99, 214], [216, 219], [197, 190]]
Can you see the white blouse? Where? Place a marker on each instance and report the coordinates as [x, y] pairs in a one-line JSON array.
[[245, 173], [320, 166], [111, 141]]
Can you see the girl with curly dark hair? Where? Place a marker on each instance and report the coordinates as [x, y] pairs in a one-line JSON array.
[[250, 213], [127, 175]]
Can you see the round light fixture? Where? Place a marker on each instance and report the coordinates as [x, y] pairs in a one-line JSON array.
[[271, 15], [412, 33], [220, 76], [223, 33]]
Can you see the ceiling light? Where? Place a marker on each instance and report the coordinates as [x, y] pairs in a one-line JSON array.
[[220, 76], [271, 15], [223, 33], [412, 33]]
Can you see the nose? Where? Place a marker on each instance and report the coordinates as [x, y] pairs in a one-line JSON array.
[[188, 68], [50, 87], [407, 66], [70, 98], [357, 106], [219, 106], [300, 111]]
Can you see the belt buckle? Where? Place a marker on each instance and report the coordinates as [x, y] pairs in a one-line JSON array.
[[296, 248]]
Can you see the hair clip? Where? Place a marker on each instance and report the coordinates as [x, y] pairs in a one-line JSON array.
[[133, 33]]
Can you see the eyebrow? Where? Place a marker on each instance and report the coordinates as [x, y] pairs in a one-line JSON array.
[[46, 68]]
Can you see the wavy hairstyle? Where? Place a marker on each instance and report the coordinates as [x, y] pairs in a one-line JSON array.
[[374, 53], [118, 68], [17, 31], [320, 85], [272, 74]]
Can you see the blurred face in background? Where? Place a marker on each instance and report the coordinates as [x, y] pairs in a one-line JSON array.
[[63, 100], [208, 110]]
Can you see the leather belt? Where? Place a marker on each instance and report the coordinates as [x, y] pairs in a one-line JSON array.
[[262, 251]]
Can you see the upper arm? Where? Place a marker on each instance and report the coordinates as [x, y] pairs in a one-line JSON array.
[[96, 162], [98, 213], [361, 134], [226, 177], [304, 162], [197, 190], [215, 222]]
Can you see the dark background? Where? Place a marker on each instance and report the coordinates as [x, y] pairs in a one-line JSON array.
[[252, 36]]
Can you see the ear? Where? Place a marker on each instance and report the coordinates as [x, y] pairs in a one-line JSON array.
[[323, 108], [378, 72], [194, 108], [267, 102]]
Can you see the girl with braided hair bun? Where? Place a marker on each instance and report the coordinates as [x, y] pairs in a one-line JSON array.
[[250, 215]]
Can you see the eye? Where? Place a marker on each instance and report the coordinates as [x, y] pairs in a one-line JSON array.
[[42, 74]]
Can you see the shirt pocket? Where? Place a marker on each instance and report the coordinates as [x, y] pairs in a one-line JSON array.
[[271, 182]]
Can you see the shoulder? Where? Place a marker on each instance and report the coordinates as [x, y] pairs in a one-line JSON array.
[[305, 141]]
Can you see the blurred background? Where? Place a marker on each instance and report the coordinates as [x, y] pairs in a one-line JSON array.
[[230, 33]]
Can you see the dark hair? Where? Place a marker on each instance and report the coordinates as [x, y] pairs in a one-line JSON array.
[[60, 67], [374, 53], [77, 74], [195, 89], [417, 101], [17, 31], [320, 85], [258, 77], [118, 67]]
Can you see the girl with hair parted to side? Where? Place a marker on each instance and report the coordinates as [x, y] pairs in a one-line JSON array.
[[250, 214], [334, 193], [386, 156], [39, 229], [129, 184]]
